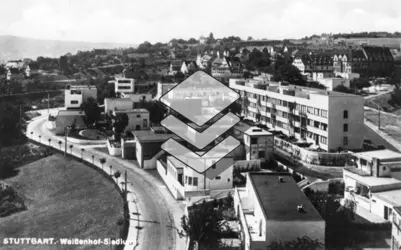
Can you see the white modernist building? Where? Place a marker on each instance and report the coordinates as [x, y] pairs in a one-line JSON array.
[[76, 95], [124, 85], [325, 118], [396, 229], [373, 180], [138, 119], [184, 182]]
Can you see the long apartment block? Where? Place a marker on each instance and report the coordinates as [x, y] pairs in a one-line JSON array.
[[328, 119]]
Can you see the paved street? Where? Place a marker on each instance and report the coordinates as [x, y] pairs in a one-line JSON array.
[[157, 213]]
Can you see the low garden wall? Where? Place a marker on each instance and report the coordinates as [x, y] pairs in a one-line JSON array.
[[312, 157]]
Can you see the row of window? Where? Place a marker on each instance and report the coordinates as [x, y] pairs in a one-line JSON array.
[[299, 107], [123, 87]]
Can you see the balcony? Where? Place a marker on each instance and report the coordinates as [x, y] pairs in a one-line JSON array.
[[358, 171]]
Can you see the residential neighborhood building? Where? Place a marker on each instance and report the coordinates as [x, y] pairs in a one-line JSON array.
[[76, 95], [396, 229], [272, 208], [148, 146], [259, 144], [67, 118], [227, 67], [184, 182], [188, 67], [373, 180], [333, 82], [203, 62], [317, 116], [124, 85], [175, 67], [113, 104], [163, 88], [137, 98], [138, 119]]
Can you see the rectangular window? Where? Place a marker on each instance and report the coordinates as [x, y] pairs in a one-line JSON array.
[[285, 103], [323, 113], [189, 180], [316, 111], [323, 140], [74, 102], [254, 140], [345, 114], [261, 154], [124, 87], [345, 141], [218, 177], [345, 127], [195, 181], [310, 110], [145, 123], [186, 179]]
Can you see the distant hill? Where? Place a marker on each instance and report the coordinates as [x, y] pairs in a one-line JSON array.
[[14, 47]]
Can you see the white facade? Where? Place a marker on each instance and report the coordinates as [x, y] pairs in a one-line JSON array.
[[260, 227], [136, 98], [124, 85], [163, 88], [299, 64], [349, 76], [396, 230], [184, 182], [332, 83], [327, 119], [259, 144], [372, 180], [76, 95], [113, 104], [138, 119]]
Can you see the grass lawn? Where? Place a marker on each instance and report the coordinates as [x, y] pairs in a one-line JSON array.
[[65, 199], [389, 124]]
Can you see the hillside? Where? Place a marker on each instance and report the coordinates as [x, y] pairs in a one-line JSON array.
[[14, 48]]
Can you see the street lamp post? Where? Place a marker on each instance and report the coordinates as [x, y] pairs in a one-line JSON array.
[[66, 131]]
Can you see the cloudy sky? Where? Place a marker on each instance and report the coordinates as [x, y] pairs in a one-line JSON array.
[[133, 21]]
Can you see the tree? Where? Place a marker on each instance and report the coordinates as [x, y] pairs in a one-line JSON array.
[[156, 110], [204, 224], [300, 243], [339, 227], [92, 111], [59, 143], [192, 41], [119, 124], [82, 153], [9, 123], [71, 146], [49, 140], [102, 161], [110, 169], [343, 89], [250, 38]]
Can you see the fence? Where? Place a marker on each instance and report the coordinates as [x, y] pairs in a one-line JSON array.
[[312, 157]]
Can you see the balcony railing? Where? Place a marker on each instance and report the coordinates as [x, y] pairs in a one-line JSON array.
[[358, 171]]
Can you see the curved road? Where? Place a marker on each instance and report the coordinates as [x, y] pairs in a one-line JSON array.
[[155, 224]]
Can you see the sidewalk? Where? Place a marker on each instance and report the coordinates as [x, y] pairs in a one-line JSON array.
[[143, 185], [385, 136]]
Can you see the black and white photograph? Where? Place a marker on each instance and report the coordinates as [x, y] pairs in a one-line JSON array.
[[200, 125]]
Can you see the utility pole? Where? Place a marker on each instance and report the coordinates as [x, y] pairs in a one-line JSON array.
[[48, 103], [378, 124], [126, 194], [65, 141]]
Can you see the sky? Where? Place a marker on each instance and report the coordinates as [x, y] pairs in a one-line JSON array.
[[133, 21]]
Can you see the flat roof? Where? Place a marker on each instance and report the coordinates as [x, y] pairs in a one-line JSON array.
[[257, 131], [82, 86], [376, 181], [392, 196], [132, 111], [242, 126], [279, 200], [150, 136], [384, 154]]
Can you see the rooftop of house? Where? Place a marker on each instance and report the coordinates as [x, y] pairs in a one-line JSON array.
[[373, 181], [382, 155], [70, 113], [279, 200], [131, 111], [255, 131], [80, 87], [242, 127], [144, 136], [306, 91], [392, 196]]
